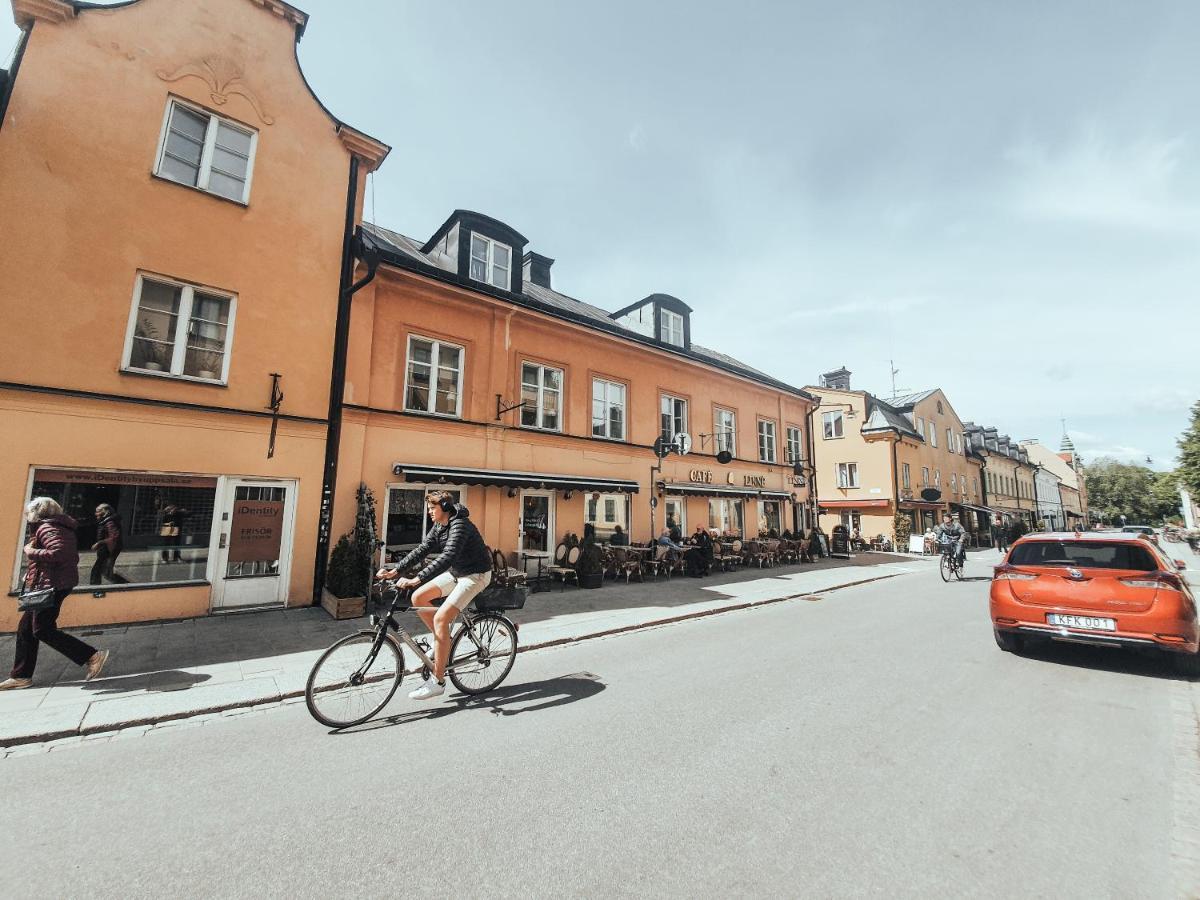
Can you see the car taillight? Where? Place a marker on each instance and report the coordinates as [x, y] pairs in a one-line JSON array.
[[1008, 573], [1167, 580]]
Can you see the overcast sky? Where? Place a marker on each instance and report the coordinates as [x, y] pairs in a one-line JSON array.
[[1003, 198]]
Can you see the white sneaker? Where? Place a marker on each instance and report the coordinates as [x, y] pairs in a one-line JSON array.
[[428, 691]]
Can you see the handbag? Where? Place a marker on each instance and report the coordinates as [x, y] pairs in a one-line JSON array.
[[36, 599], [169, 531]]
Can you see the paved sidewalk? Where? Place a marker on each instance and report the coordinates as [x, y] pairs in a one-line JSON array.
[[172, 670]]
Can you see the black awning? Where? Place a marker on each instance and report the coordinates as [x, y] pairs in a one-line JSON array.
[[972, 506], [501, 478]]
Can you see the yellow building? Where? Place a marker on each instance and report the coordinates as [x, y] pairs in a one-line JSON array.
[[1009, 476], [875, 458]]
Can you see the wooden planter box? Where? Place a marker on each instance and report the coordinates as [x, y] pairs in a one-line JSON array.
[[343, 607]]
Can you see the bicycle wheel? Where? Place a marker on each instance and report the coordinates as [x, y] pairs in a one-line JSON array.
[[476, 670], [346, 686], [944, 567], [958, 569]]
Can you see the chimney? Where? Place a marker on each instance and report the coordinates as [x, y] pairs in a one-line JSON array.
[[838, 379], [537, 268]]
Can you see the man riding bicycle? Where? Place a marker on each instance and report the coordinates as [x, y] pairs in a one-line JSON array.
[[459, 572], [950, 531]]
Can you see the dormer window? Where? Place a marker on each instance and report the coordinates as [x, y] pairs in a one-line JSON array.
[[491, 262], [670, 328]]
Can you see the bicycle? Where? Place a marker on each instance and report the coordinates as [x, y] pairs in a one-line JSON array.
[[359, 674], [951, 563]]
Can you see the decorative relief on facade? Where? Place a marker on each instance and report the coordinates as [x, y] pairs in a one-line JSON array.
[[224, 77], [25, 12]]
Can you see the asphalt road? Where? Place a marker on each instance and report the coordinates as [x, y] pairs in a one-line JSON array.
[[874, 741]]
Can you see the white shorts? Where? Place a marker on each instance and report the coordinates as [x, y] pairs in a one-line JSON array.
[[461, 591]]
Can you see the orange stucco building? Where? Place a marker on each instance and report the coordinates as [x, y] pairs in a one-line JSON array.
[[176, 206], [456, 332]]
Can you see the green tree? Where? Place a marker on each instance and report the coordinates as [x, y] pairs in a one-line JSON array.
[[1143, 496], [1189, 455]]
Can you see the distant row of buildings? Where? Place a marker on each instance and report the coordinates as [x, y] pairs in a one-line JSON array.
[[912, 456], [206, 336]]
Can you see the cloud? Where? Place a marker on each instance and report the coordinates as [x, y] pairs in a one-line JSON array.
[[1138, 184], [859, 307], [636, 139]]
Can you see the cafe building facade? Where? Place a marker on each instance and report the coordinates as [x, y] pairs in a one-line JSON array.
[[468, 372], [185, 204], [1009, 476]]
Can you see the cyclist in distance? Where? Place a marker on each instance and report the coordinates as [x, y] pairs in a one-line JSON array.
[[951, 531], [460, 570]]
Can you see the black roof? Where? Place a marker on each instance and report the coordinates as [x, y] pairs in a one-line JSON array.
[[406, 253]]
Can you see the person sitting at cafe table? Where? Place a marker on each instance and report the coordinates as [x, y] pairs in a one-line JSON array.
[[619, 537], [664, 540], [699, 557]]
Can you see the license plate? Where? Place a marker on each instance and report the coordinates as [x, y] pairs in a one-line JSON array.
[[1091, 623]]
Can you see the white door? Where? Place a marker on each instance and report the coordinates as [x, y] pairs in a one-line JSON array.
[[254, 547], [536, 528]]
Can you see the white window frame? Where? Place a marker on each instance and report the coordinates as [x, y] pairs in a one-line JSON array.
[[921, 427], [847, 475], [924, 476], [672, 399], [831, 422], [490, 264], [794, 442], [608, 405], [541, 394], [905, 476], [434, 363], [950, 439], [954, 482], [767, 441], [424, 489], [667, 322], [932, 434], [206, 156], [183, 319], [725, 436], [937, 478]]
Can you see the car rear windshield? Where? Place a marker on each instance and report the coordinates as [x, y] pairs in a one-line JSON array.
[[1085, 555]]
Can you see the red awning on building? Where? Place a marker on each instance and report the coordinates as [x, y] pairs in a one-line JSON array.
[[853, 504]]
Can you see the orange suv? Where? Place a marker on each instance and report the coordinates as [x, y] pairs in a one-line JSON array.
[[1110, 589]]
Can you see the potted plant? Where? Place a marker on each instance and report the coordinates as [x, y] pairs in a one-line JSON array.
[[352, 563], [156, 356], [902, 526], [590, 568], [209, 363]]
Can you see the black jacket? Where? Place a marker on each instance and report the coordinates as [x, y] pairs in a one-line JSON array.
[[459, 547]]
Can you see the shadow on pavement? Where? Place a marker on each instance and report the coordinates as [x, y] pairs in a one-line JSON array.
[[154, 682], [506, 700], [1105, 659]]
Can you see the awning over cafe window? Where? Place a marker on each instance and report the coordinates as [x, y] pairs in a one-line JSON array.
[[854, 504], [921, 504], [973, 507], [502, 478]]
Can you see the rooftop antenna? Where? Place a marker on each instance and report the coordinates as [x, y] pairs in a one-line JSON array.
[[895, 372]]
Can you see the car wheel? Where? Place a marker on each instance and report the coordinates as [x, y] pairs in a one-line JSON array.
[[1008, 641], [1187, 663]]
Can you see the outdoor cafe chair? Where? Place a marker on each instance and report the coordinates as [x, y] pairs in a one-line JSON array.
[[564, 564], [627, 564], [503, 574]]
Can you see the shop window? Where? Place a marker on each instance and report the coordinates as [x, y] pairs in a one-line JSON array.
[[405, 521], [676, 513], [541, 392], [725, 431], [769, 518], [160, 525], [433, 377], [674, 417], [725, 515], [847, 475], [179, 330], [795, 446], [608, 409], [491, 262], [206, 152], [605, 512], [834, 426], [766, 441], [671, 328]]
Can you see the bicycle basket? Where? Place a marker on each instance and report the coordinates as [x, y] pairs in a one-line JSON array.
[[496, 599]]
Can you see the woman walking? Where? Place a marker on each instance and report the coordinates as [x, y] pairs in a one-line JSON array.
[[53, 563]]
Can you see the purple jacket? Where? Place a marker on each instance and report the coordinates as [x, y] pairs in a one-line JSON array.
[[54, 561]]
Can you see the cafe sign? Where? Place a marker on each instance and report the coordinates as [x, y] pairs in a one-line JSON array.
[[256, 532], [705, 476]]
